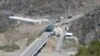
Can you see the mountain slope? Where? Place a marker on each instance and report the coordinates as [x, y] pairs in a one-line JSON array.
[[87, 28], [41, 7]]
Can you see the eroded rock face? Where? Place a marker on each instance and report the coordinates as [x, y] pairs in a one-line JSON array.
[[87, 27]]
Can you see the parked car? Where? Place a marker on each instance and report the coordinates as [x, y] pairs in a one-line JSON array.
[[69, 17]]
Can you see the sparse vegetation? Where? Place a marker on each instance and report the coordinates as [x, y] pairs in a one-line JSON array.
[[30, 40], [9, 48], [38, 7], [5, 23], [87, 26]]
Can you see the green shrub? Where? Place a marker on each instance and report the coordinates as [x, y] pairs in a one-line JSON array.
[[92, 50]]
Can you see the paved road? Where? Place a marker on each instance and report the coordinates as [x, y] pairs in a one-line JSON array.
[[60, 40], [59, 44], [71, 19], [36, 45]]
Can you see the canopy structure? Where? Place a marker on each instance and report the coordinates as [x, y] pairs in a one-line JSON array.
[[68, 33]]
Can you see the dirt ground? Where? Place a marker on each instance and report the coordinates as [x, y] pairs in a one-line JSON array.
[[49, 49], [21, 34]]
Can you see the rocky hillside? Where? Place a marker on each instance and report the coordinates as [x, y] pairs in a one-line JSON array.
[[41, 7], [87, 28], [5, 23]]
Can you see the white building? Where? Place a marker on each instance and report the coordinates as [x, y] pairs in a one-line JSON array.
[[68, 35]]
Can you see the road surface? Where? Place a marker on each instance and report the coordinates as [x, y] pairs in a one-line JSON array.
[[36, 45], [59, 44]]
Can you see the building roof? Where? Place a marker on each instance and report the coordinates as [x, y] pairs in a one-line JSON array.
[[68, 33]]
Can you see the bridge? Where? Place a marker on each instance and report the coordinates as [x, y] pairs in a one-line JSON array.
[[37, 45]]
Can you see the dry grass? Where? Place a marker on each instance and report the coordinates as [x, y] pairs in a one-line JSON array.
[[30, 32]]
